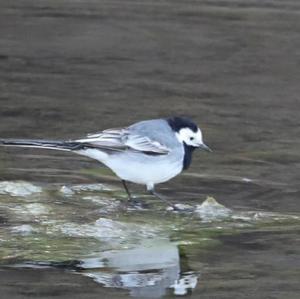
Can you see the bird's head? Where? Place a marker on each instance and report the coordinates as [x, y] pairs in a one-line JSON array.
[[187, 132]]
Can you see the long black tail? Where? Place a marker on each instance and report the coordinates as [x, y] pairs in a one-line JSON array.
[[46, 144]]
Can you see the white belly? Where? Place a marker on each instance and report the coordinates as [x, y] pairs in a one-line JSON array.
[[145, 173], [139, 168]]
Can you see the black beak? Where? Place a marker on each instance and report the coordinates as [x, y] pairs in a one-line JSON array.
[[204, 147]]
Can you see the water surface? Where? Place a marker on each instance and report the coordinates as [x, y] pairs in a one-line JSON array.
[[68, 68]]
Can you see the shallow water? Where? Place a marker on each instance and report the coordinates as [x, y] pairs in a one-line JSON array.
[[90, 230], [68, 68]]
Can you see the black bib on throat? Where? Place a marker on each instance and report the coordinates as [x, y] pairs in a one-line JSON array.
[[187, 159]]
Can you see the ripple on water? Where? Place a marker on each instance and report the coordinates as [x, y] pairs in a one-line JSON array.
[[212, 211]]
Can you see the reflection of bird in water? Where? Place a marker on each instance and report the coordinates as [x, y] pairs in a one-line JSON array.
[[148, 152], [147, 271]]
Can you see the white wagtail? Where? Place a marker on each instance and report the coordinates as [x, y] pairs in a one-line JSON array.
[[148, 152]]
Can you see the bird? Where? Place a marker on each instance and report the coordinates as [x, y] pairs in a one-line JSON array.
[[148, 152]]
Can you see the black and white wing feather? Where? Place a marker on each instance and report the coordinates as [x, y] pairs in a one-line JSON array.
[[123, 139]]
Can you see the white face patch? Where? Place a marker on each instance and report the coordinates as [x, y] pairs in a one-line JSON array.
[[189, 137]]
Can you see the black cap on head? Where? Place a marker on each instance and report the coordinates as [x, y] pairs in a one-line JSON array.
[[177, 123]]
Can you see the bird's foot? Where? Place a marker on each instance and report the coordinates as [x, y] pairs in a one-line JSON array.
[[136, 204], [171, 207]]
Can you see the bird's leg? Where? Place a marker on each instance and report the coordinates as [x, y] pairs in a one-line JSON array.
[[131, 201], [154, 193], [127, 190]]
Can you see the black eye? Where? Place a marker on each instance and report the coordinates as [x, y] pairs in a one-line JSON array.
[[192, 138]]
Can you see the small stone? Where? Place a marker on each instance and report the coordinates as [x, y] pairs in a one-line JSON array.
[[66, 191], [169, 208], [211, 210], [183, 207]]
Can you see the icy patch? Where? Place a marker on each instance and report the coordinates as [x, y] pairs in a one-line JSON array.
[[18, 188], [28, 211], [107, 229], [36, 209], [105, 204], [23, 230], [210, 210], [69, 190]]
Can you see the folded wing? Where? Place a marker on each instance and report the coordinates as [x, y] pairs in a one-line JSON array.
[[123, 140]]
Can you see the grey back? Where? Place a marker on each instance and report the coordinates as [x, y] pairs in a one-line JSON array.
[[158, 130]]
